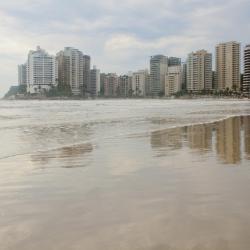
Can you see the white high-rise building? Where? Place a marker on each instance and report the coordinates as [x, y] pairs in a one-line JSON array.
[[173, 80], [139, 82], [22, 74], [228, 66], [199, 71], [41, 71]]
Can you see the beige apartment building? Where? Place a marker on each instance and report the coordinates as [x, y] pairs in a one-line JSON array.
[[228, 66], [173, 80], [139, 82], [199, 71]]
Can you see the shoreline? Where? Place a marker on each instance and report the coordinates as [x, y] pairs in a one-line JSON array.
[[42, 98], [142, 134]]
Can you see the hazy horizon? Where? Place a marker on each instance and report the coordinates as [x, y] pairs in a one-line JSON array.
[[119, 37]]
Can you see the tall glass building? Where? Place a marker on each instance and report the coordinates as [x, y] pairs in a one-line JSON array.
[[158, 71]]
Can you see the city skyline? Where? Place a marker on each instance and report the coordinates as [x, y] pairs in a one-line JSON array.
[[69, 73], [114, 36]]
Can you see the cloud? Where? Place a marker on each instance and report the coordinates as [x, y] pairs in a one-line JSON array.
[[119, 35]]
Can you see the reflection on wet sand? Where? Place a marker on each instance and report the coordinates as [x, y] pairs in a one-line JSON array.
[[199, 137], [68, 157], [246, 124], [170, 138], [228, 140], [226, 134]]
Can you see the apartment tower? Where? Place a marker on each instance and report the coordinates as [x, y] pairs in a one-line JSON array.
[[228, 66], [173, 80], [41, 71], [246, 77], [70, 69], [110, 82], [139, 83], [22, 74], [86, 74], [95, 86], [199, 71]]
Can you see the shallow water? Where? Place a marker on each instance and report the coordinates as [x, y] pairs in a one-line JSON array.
[[125, 174]]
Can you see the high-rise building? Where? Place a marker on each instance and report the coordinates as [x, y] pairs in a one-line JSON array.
[[123, 86], [184, 76], [70, 69], [102, 78], [22, 74], [246, 77], [130, 82], [199, 71], [41, 71], [214, 86], [228, 66], [86, 75], [74, 70], [148, 85], [174, 61], [95, 87], [173, 80], [158, 71], [139, 82], [110, 85]]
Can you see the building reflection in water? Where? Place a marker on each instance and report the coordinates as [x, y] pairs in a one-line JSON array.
[[170, 138], [67, 157], [246, 126], [51, 149], [228, 140], [227, 137], [199, 137]]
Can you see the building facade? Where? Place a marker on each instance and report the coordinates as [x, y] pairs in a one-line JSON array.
[[74, 70], [41, 71], [123, 89], [158, 71], [95, 86], [184, 76], [86, 74], [110, 85], [174, 61], [70, 69], [173, 82], [22, 74], [199, 71], [139, 83], [246, 77], [228, 66]]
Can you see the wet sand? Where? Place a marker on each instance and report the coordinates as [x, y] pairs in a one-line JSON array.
[[180, 188]]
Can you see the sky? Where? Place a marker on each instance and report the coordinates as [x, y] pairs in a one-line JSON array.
[[119, 35]]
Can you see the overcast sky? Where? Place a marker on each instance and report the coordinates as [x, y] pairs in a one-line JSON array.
[[119, 35]]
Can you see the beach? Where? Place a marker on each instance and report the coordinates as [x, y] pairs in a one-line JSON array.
[[125, 174]]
